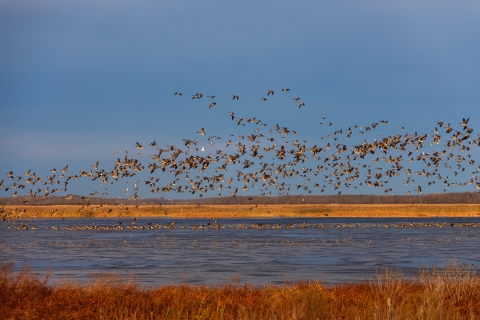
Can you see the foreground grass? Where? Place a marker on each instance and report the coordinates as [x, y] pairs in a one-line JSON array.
[[450, 293], [246, 211]]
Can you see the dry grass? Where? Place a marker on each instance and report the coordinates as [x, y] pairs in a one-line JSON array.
[[450, 293], [248, 211]]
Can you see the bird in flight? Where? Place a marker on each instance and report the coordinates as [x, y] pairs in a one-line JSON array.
[[198, 95]]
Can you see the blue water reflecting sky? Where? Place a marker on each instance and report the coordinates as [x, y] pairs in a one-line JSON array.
[[337, 250]]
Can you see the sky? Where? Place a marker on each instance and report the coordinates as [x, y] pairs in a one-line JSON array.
[[82, 80]]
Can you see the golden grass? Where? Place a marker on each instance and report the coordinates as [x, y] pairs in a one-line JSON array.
[[451, 293], [247, 211]]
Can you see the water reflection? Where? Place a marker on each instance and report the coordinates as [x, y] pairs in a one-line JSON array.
[[343, 250]]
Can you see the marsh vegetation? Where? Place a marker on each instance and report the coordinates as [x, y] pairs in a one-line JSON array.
[[243, 211], [449, 293]]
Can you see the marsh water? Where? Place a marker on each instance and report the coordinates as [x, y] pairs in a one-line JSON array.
[[254, 251]]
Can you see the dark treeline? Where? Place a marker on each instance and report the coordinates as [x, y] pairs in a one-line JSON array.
[[436, 198]]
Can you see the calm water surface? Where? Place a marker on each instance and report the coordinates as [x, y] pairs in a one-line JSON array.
[[343, 250]]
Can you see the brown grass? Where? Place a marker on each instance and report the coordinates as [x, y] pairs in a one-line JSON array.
[[248, 211], [450, 293]]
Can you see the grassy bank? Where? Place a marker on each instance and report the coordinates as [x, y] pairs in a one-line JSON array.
[[451, 293], [245, 211]]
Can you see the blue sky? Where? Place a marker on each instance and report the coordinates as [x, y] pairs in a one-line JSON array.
[[81, 80]]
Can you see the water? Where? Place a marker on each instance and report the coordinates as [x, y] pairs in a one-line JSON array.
[[333, 254]]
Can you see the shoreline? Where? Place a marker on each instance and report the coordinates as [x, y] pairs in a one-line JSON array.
[[245, 211], [450, 292]]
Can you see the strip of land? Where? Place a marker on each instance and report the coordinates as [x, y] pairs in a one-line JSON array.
[[245, 211]]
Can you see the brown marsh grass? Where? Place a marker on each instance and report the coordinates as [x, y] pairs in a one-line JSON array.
[[247, 211], [449, 293]]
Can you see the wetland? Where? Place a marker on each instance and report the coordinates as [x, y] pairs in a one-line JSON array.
[[203, 251]]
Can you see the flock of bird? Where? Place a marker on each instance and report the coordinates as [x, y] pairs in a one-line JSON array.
[[269, 157], [214, 225]]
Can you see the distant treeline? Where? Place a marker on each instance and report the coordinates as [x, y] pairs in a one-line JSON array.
[[436, 198]]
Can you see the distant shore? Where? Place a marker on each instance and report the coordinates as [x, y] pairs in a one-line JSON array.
[[245, 211]]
